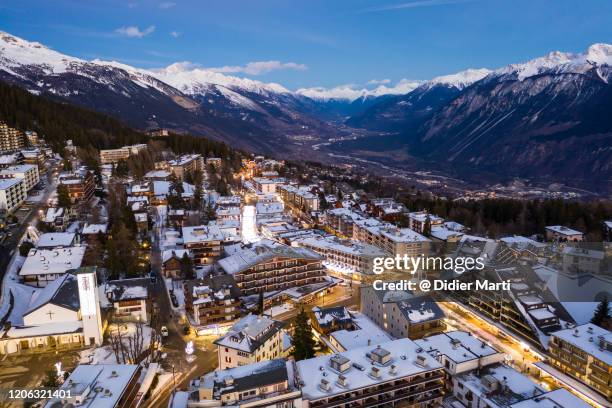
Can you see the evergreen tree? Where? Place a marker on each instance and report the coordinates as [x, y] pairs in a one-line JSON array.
[[303, 341], [427, 227], [25, 247], [323, 204], [66, 164], [63, 196], [186, 267], [602, 313], [121, 169], [51, 379], [260, 304]]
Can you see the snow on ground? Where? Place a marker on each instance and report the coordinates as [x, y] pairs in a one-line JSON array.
[[105, 354], [278, 310], [10, 281]]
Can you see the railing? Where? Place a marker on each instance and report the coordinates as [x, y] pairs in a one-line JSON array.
[[382, 389]]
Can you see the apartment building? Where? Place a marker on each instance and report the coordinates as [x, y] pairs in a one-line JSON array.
[[203, 242], [185, 164], [111, 156], [128, 299], [417, 220], [299, 197], [27, 172], [264, 185], [585, 353], [560, 233], [11, 159], [460, 352], [501, 386], [212, 301], [525, 309], [268, 267], [391, 239], [12, 194], [11, 139], [43, 266], [402, 313], [342, 222], [392, 374], [35, 156], [264, 384], [80, 185], [344, 258], [251, 340], [325, 320]]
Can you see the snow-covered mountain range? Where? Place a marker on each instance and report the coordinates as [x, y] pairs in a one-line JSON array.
[[544, 116]]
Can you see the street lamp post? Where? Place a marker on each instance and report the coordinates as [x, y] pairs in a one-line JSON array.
[[173, 381]]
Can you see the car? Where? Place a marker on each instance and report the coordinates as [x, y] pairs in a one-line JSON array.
[[153, 277], [164, 331]]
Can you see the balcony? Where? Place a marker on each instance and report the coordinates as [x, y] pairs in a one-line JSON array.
[[401, 389]]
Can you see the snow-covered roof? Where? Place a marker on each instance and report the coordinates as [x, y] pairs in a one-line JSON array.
[[46, 329], [52, 261], [458, 346], [402, 356], [263, 252], [443, 233], [249, 377], [518, 387], [415, 308], [365, 333], [126, 289], [94, 229], [162, 189], [201, 233], [522, 242], [560, 229], [559, 398], [98, 385], [587, 338], [401, 235], [20, 168], [157, 174], [9, 182], [347, 247], [328, 315], [61, 292], [249, 333], [177, 253], [51, 240], [269, 208]]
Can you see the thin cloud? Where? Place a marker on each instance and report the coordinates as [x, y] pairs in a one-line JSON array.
[[134, 31], [167, 5], [259, 67], [175, 34], [378, 81], [413, 4]]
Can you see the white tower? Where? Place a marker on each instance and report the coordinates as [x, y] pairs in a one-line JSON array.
[[90, 305]]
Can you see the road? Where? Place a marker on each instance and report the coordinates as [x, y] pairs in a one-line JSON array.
[[10, 243], [175, 343]]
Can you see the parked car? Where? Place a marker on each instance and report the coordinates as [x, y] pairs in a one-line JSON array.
[[164, 331]]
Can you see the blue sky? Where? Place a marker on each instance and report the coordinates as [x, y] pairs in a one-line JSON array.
[[316, 42]]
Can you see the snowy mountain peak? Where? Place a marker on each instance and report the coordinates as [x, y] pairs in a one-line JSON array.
[[600, 53], [461, 79], [596, 54], [15, 51], [352, 93], [190, 78]]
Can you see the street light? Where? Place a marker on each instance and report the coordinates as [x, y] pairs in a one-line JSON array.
[[173, 380]]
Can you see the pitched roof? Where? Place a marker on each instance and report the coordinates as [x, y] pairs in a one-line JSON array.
[[62, 292]]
